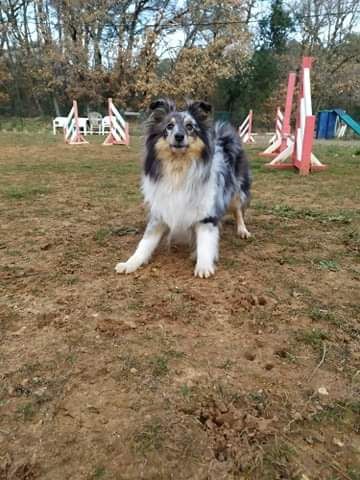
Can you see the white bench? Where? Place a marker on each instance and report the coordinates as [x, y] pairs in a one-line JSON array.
[[60, 122]]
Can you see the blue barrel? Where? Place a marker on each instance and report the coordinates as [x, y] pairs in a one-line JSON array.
[[331, 125], [321, 124], [326, 123]]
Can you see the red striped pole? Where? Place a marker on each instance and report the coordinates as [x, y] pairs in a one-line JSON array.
[[305, 122], [286, 130], [250, 125], [300, 145]]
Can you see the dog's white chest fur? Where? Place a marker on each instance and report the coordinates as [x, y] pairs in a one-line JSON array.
[[182, 201]]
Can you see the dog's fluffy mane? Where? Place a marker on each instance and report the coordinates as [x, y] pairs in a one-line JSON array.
[[222, 160], [194, 172], [155, 125]]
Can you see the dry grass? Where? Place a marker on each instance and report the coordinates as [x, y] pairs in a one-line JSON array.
[[159, 375]]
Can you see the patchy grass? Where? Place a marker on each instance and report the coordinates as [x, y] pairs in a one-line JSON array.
[[25, 192], [159, 374], [328, 265], [26, 125], [185, 391], [278, 461], [160, 366], [100, 472], [314, 337], [102, 234], [341, 412], [286, 212], [352, 241], [26, 412], [150, 437], [324, 314]]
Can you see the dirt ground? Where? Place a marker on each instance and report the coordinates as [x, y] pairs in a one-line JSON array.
[[252, 374]]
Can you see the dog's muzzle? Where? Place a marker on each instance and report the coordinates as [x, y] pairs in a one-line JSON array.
[[179, 144]]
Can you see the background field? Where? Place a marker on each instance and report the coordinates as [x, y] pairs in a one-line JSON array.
[[160, 375]]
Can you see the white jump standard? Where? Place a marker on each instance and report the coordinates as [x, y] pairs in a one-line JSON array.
[[119, 129], [245, 129], [72, 134]]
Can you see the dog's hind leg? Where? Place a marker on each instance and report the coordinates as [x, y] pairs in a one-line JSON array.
[[152, 236], [239, 212]]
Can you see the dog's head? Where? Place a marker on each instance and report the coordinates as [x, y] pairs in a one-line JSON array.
[[182, 133]]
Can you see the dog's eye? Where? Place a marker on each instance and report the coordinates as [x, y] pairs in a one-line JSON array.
[[189, 127], [170, 126]]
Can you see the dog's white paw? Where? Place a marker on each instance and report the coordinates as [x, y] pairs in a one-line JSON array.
[[243, 233], [204, 271], [126, 267]]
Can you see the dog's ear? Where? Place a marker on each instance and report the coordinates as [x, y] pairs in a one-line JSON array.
[[160, 108], [200, 110]]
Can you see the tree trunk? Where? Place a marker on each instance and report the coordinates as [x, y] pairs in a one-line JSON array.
[[56, 106]]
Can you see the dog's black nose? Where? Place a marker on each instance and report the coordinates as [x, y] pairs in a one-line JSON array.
[[179, 137]]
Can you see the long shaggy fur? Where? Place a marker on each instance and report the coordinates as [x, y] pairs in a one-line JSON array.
[[194, 172]]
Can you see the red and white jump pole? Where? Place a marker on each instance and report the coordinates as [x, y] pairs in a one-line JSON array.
[[299, 147], [279, 120], [72, 135], [245, 129], [275, 141], [302, 155], [119, 129], [283, 140]]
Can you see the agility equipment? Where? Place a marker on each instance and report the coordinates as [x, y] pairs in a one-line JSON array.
[[299, 146], [281, 141], [72, 134], [245, 129], [340, 128], [326, 124], [333, 123], [59, 122], [275, 142], [119, 129], [279, 119], [347, 120]]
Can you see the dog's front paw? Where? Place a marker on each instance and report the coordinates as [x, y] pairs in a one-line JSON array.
[[243, 232], [204, 271], [126, 267]]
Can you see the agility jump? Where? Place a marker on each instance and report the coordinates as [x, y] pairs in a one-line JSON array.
[[119, 129], [299, 146], [245, 129], [281, 140], [279, 120], [72, 134]]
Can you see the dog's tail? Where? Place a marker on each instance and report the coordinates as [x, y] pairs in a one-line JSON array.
[[228, 140]]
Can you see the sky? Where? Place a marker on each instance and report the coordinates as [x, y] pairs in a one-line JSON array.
[[174, 41]]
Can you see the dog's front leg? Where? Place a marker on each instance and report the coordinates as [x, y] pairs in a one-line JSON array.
[[152, 236], [207, 239]]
